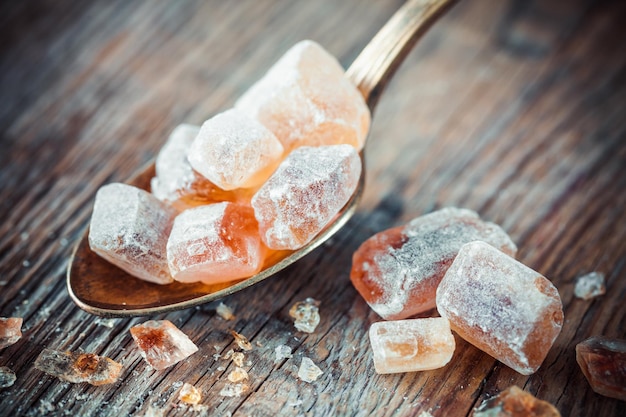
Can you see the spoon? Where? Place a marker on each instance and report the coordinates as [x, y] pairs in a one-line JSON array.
[[101, 288]]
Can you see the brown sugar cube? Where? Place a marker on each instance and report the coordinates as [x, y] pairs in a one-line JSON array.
[[501, 306], [397, 271], [603, 361]]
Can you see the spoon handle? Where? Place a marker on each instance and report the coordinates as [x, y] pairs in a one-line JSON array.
[[379, 60]]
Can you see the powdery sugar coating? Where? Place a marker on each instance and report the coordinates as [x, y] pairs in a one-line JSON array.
[[161, 343], [235, 151], [306, 99], [78, 367], [397, 271], [10, 331], [501, 306], [177, 183], [411, 345], [215, 243], [304, 194], [603, 361], [129, 228]]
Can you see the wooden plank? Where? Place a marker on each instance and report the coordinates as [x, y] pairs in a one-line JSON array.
[[514, 109]]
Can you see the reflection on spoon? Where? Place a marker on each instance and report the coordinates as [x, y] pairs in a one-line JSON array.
[[101, 288]]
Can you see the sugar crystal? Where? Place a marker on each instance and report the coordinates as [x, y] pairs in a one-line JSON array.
[[397, 271], [78, 367], [282, 352], [411, 345], [161, 343], [7, 377], [304, 194], [225, 312], [10, 331], [237, 375], [589, 285], [306, 315], [238, 358], [176, 182], [215, 243], [189, 394], [603, 361], [235, 151], [308, 371], [514, 402], [501, 306], [241, 341], [129, 228], [306, 99]]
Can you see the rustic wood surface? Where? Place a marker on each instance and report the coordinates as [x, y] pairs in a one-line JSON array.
[[515, 109]]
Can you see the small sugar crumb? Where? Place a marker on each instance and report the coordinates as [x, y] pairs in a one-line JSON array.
[[589, 285], [189, 394], [237, 375], [306, 315], [108, 323], [161, 343], [238, 358], [308, 371], [282, 352], [234, 390], [225, 312], [241, 341], [228, 354], [10, 331], [425, 414], [78, 367], [259, 344], [7, 377]]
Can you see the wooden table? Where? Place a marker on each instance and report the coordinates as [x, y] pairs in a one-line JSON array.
[[514, 109]]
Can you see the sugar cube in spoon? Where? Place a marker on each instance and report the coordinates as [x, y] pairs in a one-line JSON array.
[[234, 151], [215, 243], [129, 228], [304, 194], [176, 182], [307, 100]]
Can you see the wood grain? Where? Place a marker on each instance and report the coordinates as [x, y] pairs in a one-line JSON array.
[[514, 109]]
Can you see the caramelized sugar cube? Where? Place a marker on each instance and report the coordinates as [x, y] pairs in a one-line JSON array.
[[235, 151], [306, 99], [189, 394], [603, 361], [129, 228], [304, 194], [397, 271], [161, 343], [77, 367], [10, 330], [177, 183], [306, 315], [501, 306], [514, 402], [215, 243], [411, 345]]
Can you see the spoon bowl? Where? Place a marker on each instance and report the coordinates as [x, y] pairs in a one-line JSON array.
[[101, 288]]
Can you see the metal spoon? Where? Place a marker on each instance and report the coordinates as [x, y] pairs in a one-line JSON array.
[[101, 288]]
